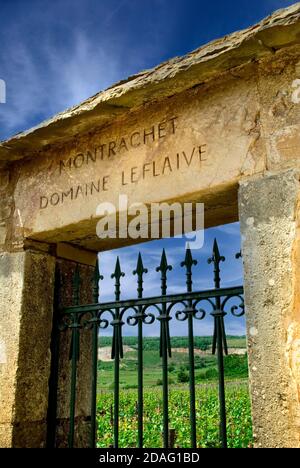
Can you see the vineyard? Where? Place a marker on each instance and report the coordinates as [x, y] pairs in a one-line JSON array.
[[239, 424], [207, 407]]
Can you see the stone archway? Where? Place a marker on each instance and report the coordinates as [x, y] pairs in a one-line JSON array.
[[220, 126]]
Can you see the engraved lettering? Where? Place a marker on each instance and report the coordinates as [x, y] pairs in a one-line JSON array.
[[67, 194], [167, 165], [146, 168], [78, 160], [63, 165], [102, 147], [154, 170], [43, 203], [95, 187], [135, 140], [104, 183], [162, 129], [149, 133], [123, 145], [134, 177], [73, 193], [111, 148], [54, 200], [79, 191], [123, 179], [202, 151], [91, 157], [173, 124]]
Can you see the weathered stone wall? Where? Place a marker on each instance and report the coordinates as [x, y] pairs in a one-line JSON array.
[[279, 91], [269, 215], [26, 305], [12, 281]]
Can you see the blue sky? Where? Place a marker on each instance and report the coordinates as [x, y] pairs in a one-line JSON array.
[[55, 54], [231, 275]]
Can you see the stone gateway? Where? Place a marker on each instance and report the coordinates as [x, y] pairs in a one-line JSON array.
[[220, 126]]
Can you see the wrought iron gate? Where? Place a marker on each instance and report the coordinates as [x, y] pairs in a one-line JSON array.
[[186, 307]]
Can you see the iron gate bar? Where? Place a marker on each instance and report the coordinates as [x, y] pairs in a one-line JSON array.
[[140, 316], [91, 316], [234, 291], [219, 341], [188, 264], [117, 350], [165, 345]]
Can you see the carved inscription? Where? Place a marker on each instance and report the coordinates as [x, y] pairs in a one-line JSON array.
[[167, 166], [111, 149], [74, 193], [181, 160]]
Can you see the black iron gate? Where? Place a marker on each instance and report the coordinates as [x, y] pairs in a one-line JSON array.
[[186, 307]]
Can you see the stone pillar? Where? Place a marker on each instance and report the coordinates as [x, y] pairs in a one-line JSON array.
[[269, 217], [26, 306]]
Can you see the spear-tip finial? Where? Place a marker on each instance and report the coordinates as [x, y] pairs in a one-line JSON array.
[[97, 278], [189, 261], [216, 257], [118, 273], [140, 270], [164, 267], [97, 275]]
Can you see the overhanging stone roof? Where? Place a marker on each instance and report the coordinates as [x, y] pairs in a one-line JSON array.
[[280, 30]]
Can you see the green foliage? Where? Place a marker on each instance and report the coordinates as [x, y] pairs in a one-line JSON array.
[[159, 382], [207, 404], [182, 375], [201, 363], [152, 343], [236, 366], [209, 374], [207, 413]]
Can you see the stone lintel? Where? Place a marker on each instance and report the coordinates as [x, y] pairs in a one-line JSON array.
[[70, 252]]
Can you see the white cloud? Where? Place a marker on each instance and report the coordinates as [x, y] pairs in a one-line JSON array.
[[61, 79], [60, 55], [202, 279]]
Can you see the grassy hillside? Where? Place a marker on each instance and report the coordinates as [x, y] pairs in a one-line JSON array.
[[205, 364], [200, 342]]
